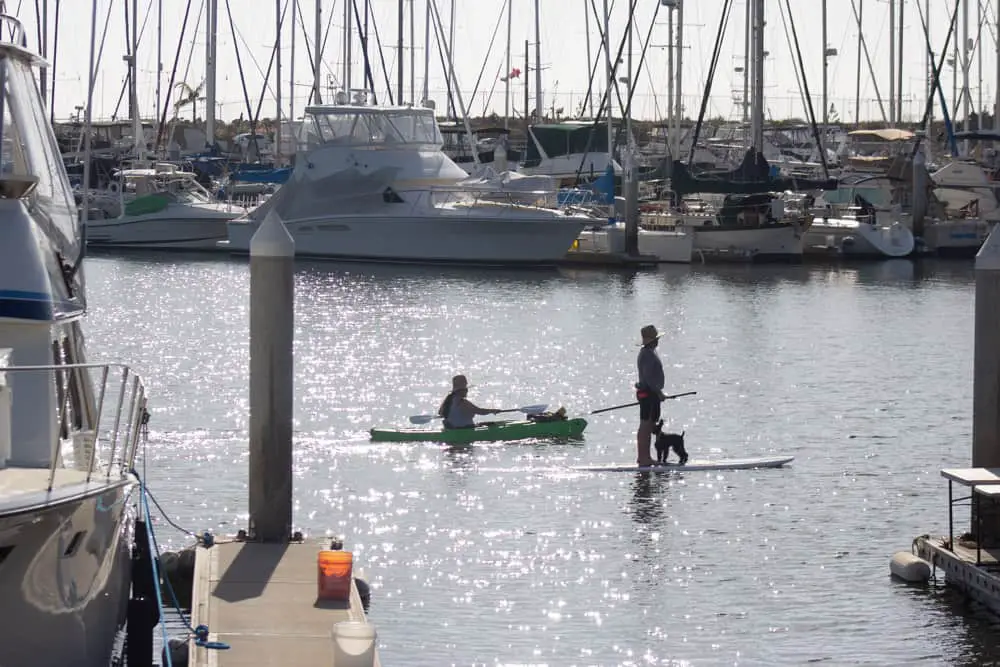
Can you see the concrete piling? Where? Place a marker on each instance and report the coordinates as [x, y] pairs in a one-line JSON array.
[[919, 168], [986, 377], [272, 323]]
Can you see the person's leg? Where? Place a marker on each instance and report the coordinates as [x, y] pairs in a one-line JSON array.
[[644, 436]]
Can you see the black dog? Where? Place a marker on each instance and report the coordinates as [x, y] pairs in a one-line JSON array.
[[665, 441]]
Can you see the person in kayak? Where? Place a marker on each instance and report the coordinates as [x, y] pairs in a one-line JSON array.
[[457, 410], [649, 393]]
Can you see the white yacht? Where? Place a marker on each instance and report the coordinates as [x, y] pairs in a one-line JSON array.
[[68, 429], [160, 207], [375, 185]]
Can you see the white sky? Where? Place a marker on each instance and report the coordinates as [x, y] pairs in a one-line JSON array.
[[563, 53]]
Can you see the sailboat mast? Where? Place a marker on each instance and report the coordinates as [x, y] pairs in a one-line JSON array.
[[996, 107], [291, 65], [608, 81], [506, 78], [43, 37], [586, 23], [347, 47], [159, 58], [679, 89], [138, 138], [401, 21], [899, 64], [826, 106], [857, 81], [747, 38], [413, 56], [318, 54], [55, 61], [277, 80], [892, 62], [757, 113], [212, 18], [539, 102], [427, 51]]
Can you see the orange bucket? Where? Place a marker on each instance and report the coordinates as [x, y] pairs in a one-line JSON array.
[[335, 570]]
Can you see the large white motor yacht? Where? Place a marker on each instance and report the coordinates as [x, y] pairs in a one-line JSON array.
[[68, 428], [374, 184]]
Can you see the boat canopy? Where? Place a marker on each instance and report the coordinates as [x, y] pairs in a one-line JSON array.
[[559, 139], [371, 127], [884, 134]]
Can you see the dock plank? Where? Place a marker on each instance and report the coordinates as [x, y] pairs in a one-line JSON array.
[[260, 599]]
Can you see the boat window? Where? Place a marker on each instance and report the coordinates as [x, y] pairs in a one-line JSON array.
[[29, 147], [377, 128]]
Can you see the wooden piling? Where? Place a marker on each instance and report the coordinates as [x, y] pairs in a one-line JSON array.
[[272, 320], [986, 376], [630, 186]]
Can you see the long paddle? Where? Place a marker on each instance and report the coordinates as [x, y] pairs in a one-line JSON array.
[[629, 405], [527, 409]]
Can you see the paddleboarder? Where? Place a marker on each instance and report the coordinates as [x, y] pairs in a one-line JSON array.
[[457, 410], [649, 393]]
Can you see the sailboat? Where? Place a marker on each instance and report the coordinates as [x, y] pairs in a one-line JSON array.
[[751, 223], [69, 429]]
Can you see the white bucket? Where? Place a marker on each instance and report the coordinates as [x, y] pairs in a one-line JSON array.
[[354, 644]]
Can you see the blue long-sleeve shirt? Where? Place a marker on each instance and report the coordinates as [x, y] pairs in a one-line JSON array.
[[650, 370]]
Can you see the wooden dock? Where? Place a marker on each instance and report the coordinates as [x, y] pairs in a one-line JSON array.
[[979, 582], [260, 599]]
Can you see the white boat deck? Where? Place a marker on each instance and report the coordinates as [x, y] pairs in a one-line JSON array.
[[32, 480]]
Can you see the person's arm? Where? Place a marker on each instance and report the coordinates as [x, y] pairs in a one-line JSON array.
[[651, 373], [476, 410]]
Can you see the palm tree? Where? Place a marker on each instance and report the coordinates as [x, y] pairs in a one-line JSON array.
[[190, 96]]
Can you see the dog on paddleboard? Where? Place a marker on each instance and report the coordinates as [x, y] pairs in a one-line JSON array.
[[664, 442]]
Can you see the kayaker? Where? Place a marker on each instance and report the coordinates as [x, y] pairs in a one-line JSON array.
[[649, 393], [457, 410]]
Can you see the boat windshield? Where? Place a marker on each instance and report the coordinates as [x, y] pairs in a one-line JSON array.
[[373, 127], [28, 148]]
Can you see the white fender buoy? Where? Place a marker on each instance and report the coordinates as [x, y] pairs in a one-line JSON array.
[[909, 568]]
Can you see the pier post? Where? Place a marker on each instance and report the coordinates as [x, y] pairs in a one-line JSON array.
[[986, 376], [272, 323], [630, 187], [919, 193]]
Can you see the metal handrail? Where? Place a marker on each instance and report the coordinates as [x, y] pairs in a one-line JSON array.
[[124, 437]]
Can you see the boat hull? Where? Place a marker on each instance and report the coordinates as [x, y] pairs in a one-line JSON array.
[[850, 238], [770, 243], [165, 232], [495, 432], [65, 577], [445, 238]]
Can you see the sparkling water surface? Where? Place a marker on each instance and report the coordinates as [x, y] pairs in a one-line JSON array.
[[500, 553]]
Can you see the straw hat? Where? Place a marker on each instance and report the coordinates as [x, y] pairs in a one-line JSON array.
[[649, 334], [459, 382]]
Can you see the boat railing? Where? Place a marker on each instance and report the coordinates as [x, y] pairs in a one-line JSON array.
[[12, 31], [102, 417]]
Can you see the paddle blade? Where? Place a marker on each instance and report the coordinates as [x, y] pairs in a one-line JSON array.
[[422, 419]]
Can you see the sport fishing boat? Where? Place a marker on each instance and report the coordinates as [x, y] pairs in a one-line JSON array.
[[68, 428], [489, 432], [375, 185]]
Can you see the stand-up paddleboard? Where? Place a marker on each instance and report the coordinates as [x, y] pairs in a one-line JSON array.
[[695, 465]]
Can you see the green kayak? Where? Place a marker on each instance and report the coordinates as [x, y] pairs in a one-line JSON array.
[[490, 432]]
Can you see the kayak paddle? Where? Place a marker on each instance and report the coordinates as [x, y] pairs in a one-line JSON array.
[[527, 409], [629, 405]]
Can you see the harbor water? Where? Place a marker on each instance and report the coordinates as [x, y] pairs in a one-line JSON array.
[[500, 553]]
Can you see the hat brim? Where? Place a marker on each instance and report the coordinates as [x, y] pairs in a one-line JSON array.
[[647, 342]]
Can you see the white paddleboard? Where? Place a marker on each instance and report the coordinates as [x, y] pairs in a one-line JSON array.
[[695, 465]]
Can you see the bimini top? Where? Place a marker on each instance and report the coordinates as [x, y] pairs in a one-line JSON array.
[[371, 127]]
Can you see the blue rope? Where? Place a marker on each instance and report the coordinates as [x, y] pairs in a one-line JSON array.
[[201, 632]]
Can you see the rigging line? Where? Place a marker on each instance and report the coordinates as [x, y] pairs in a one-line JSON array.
[[493, 88], [868, 59], [369, 75], [173, 75], [55, 60], [791, 47], [239, 66], [605, 101], [600, 31], [305, 40], [600, 51], [642, 59], [125, 83], [936, 81], [267, 83], [444, 66], [489, 50], [727, 9], [97, 66], [381, 57], [821, 147], [270, 64]]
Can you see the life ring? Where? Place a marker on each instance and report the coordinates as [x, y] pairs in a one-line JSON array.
[[113, 187]]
